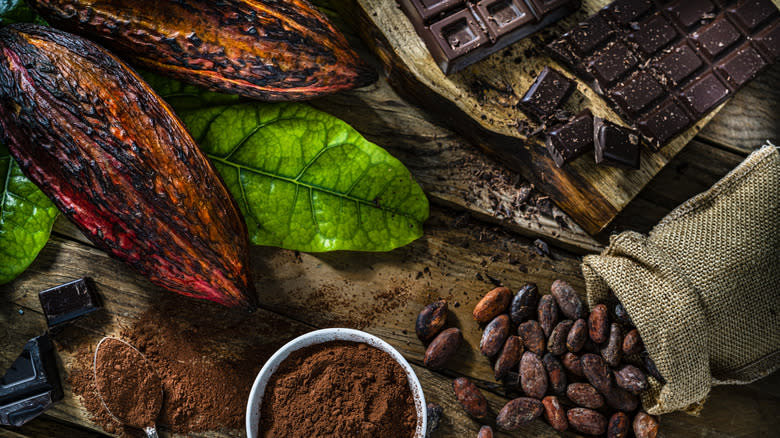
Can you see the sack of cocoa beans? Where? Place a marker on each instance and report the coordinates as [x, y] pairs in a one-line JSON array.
[[703, 288]]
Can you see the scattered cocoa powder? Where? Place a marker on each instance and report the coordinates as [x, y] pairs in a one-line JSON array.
[[207, 357], [338, 389], [130, 388]]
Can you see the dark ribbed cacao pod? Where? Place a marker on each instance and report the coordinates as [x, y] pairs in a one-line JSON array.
[[263, 49], [119, 164]]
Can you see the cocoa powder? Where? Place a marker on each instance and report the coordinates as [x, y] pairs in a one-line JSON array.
[[338, 389]]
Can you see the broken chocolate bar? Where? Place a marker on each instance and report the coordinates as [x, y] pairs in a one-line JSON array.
[[68, 301], [548, 92], [664, 65], [459, 33], [31, 385], [615, 145], [571, 140]]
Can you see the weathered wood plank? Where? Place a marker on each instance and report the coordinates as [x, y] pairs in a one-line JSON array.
[[46, 426]]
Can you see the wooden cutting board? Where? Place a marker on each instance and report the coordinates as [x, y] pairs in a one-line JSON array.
[[480, 101]]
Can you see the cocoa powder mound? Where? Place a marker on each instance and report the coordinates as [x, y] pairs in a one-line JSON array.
[[207, 357], [338, 389], [130, 388]]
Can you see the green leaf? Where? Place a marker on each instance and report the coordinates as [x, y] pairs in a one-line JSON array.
[[183, 96], [26, 218], [306, 180]]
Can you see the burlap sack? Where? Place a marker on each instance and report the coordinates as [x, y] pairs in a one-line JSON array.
[[703, 288]]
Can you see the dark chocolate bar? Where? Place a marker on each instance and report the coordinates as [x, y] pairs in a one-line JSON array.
[[664, 65], [459, 33], [68, 301], [615, 145], [569, 141], [546, 94], [31, 385]]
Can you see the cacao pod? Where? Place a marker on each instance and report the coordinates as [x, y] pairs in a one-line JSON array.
[[262, 49], [120, 165]]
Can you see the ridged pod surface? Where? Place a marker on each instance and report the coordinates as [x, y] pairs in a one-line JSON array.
[[263, 49], [119, 164]]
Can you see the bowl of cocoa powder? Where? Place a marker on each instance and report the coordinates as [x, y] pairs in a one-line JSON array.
[[336, 383]]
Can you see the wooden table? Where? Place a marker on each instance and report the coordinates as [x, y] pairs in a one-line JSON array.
[[484, 220]]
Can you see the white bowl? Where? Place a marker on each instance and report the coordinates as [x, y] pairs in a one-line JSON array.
[[319, 337]]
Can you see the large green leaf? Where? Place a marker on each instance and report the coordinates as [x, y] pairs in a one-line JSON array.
[[305, 180], [26, 218]]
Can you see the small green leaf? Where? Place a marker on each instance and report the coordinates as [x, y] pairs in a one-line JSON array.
[[305, 180], [26, 218]]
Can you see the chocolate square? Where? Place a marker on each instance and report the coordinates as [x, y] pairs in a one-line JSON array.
[[589, 34], [705, 93], [548, 92], [741, 66], [459, 33], [768, 41], [716, 37], [751, 14], [637, 92], [661, 125], [68, 301], [681, 62], [653, 34], [569, 141], [503, 16], [615, 145], [611, 63], [627, 11], [691, 12], [428, 9]]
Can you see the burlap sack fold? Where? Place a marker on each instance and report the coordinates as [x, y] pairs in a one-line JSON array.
[[703, 288]]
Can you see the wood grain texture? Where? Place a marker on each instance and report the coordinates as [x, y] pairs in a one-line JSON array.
[[479, 102]]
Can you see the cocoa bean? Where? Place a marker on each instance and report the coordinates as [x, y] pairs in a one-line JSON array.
[[554, 413], [547, 314], [568, 301], [442, 348], [434, 413], [631, 378], [645, 425], [556, 344], [612, 351], [621, 315], [585, 395], [597, 372], [494, 335], [533, 377], [431, 320], [470, 397], [492, 304], [509, 356], [651, 368], [533, 336], [619, 425], [587, 421], [555, 376], [621, 400], [485, 432], [632, 342], [573, 364], [524, 303], [577, 336], [598, 324], [519, 412]]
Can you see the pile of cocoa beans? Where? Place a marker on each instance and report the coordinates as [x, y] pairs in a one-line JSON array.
[[567, 363]]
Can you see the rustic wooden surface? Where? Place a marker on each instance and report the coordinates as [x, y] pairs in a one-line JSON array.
[[480, 103], [483, 222]]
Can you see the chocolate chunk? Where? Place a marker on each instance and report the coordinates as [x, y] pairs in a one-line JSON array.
[[589, 34], [68, 301], [547, 93], [459, 33], [705, 93], [611, 63], [681, 62], [627, 11], [31, 385], [753, 13], [664, 123], [571, 140], [636, 93], [615, 145], [653, 34], [741, 66], [716, 37]]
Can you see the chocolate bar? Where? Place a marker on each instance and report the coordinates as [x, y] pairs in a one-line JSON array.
[[459, 33], [615, 145], [31, 385], [572, 139], [548, 92], [664, 65], [68, 301]]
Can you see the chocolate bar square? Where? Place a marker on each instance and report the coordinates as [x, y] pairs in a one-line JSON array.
[[615, 145], [548, 92], [68, 301], [567, 142]]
